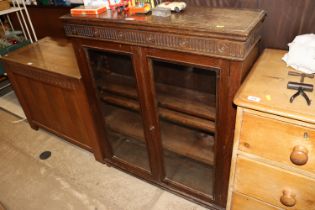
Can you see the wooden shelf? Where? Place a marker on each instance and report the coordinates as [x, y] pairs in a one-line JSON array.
[[187, 101], [178, 99], [10, 10], [183, 141], [167, 114]]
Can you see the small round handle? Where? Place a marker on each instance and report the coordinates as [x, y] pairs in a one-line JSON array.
[[299, 155], [288, 198]]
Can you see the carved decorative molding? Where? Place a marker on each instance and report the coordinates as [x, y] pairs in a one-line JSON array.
[[43, 77], [230, 49]]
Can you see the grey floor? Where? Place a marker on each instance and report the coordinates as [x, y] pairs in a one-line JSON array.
[[70, 178]]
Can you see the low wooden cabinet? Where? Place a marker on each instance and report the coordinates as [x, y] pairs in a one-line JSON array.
[[273, 157], [48, 84], [161, 92]]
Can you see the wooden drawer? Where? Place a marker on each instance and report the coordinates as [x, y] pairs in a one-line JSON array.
[[243, 202], [275, 140], [269, 183]]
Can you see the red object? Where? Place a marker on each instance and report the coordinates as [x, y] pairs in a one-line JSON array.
[[13, 41], [145, 9], [122, 4], [87, 10]]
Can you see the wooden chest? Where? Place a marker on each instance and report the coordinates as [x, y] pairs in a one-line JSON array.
[[47, 82], [161, 91], [273, 162]]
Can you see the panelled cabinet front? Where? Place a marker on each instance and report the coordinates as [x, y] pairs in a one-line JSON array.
[[159, 111], [116, 86], [186, 103]]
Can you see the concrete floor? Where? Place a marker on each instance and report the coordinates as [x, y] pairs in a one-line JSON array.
[[70, 178]]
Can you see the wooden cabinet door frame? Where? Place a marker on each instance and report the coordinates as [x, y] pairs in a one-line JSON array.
[[103, 151], [221, 66], [228, 80]]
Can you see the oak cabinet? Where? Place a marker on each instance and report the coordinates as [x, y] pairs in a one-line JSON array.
[[161, 95], [48, 84]]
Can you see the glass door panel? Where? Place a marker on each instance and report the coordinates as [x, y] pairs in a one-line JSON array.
[[117, 91], [186, 101]]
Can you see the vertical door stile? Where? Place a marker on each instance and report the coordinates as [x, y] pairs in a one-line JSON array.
[[101, 148], [224, 122], [147, 102], [185, 98], [114, 77]]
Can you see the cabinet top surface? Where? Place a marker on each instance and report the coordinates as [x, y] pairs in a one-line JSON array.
[[265, 89], [48, 54], [238, 22]]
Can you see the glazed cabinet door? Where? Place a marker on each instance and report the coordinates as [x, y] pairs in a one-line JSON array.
[[112, 72], [186, 97]]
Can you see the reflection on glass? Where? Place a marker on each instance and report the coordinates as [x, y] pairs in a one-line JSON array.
[[116, 85], [186, 98]]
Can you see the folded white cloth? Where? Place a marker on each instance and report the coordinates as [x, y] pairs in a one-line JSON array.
[[301, 55]]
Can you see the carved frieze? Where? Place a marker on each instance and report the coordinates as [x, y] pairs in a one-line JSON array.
[[43, 77], [231, 49]]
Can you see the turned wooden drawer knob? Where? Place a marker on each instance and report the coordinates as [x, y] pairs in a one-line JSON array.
[[288, 199], [299, 155]]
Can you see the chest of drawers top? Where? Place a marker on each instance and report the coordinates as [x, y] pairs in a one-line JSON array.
[[265, 89], [226, 33]]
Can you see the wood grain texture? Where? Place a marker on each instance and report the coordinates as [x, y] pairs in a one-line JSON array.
[[267, 183], [51, 91], [224, 36], [36, 56], [272, 100], [258, 133], [273, 150], [130, 124], [238, 24], [237, 130], [285, 18], [242, 202], [168, 97], [95, 35]]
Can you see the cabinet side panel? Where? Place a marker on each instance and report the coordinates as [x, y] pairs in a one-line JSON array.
[[53, 108], [238, 126]]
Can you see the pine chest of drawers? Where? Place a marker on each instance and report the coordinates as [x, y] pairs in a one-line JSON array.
[[273, 162]]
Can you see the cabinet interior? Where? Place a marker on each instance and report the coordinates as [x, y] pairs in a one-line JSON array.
[[186, 107]]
